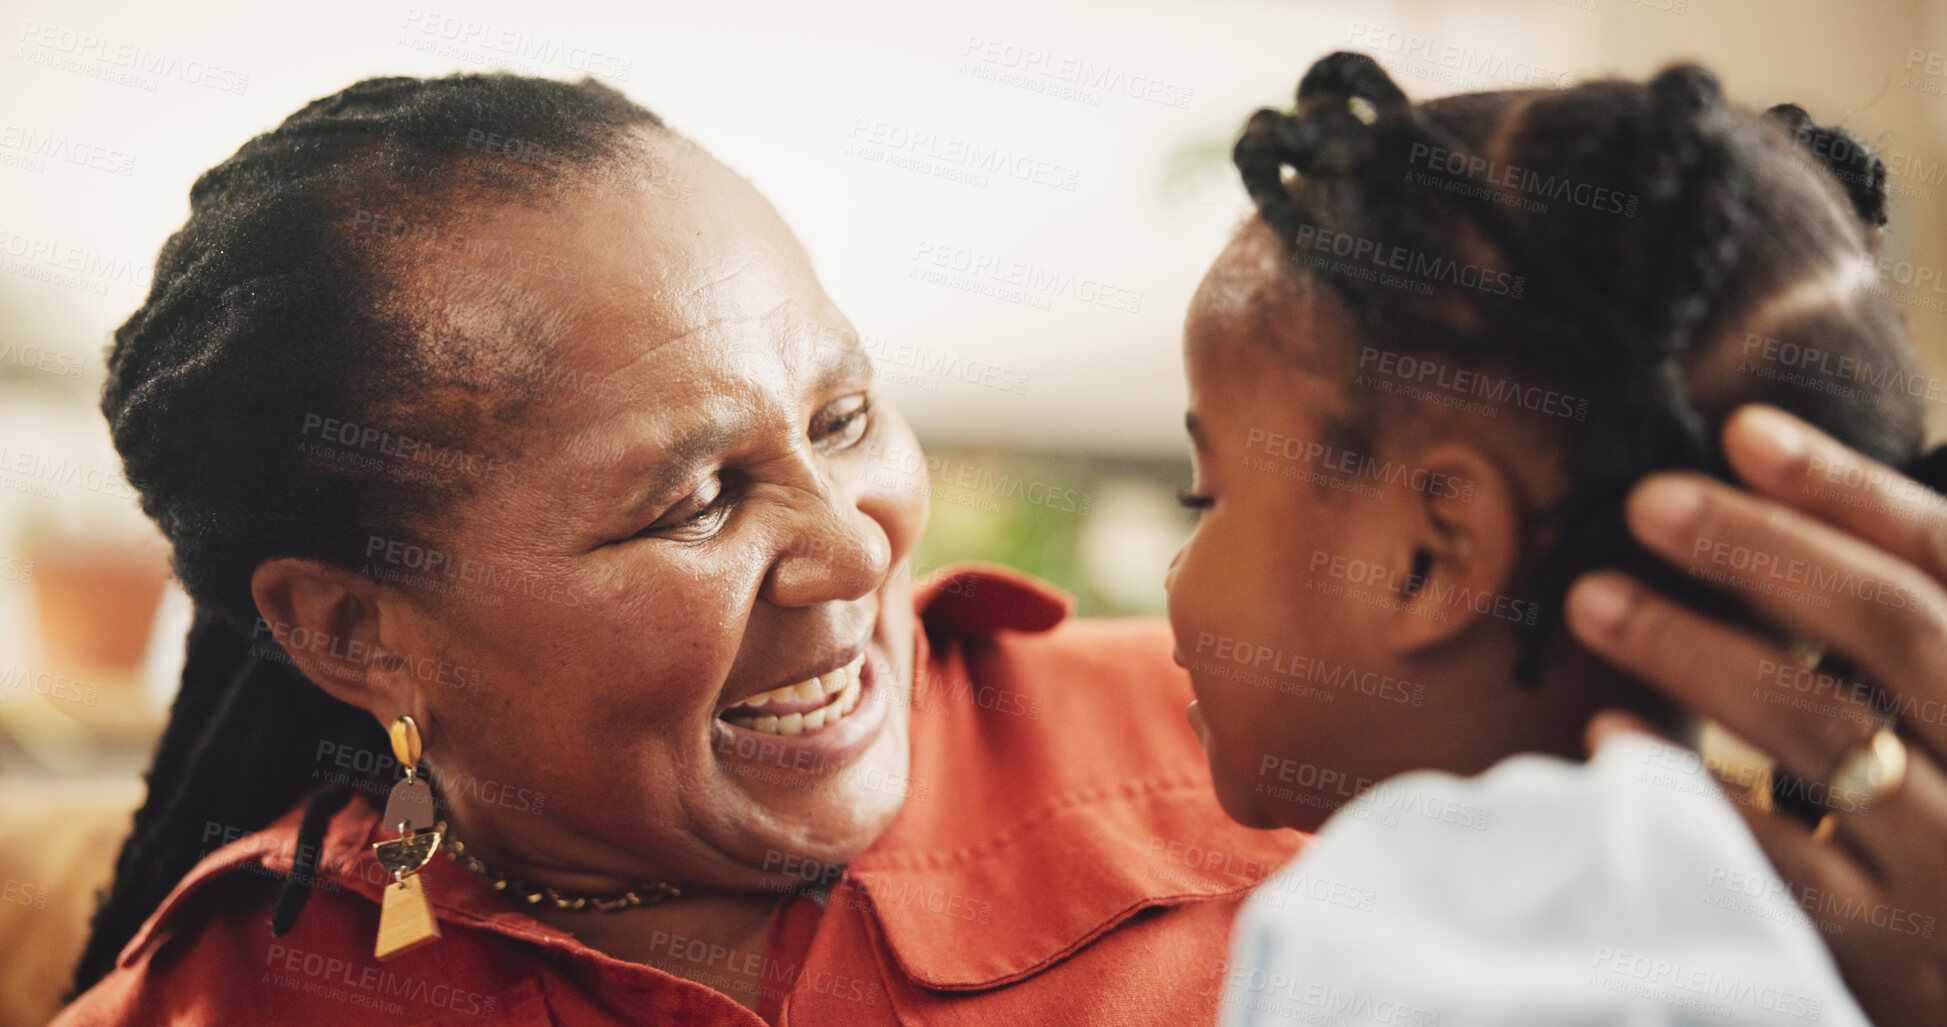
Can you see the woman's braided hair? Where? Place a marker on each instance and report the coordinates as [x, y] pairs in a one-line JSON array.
[[285, 297], [1618, 244]]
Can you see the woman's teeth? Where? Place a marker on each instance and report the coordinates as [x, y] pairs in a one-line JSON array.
[[837, 690]]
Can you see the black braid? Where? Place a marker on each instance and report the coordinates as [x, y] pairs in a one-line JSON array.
[[1618, 307], [1850, 159], [304, 866], [262, 311], [1693, 187]]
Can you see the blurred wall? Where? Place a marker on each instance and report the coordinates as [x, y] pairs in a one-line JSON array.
[[1013, 201]]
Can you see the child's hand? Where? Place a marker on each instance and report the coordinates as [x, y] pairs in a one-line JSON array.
[[1851, 556]]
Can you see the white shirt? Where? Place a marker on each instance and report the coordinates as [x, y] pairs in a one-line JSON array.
[[1621, 891]]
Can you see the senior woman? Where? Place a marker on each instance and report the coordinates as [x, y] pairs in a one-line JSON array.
[[559, 467], [555, 472]]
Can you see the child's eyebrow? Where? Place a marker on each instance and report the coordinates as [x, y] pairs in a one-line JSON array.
[[1196, 434]]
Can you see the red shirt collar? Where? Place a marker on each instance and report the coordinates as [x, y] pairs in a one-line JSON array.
[[1083, 860]]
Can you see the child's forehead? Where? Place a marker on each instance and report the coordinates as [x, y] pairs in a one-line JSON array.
[[1256, 314], [1237, 394]]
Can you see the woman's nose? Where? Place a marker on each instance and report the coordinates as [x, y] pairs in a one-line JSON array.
[[836, 553]]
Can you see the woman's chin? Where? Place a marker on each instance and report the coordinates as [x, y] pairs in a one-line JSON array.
[[823, 797]]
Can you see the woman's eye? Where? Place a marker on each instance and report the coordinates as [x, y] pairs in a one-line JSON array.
[[842, 424], [1192, 501], [693, 519]]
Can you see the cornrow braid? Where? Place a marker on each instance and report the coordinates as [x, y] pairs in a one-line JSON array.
[[1850, 159], [1628, 306], [269, 305], [1692, 186]]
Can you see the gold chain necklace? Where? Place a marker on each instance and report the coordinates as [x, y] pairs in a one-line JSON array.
[[649, 894]]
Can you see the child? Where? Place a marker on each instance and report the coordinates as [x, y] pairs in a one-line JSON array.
[[1423, 378]]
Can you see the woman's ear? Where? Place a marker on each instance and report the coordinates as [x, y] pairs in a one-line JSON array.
[[330, 622], [1462, 518]]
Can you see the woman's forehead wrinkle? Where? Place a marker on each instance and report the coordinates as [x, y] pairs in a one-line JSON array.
[[653, 404], [728, 268]]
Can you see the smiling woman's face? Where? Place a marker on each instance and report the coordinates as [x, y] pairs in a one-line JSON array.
[[707, 503]]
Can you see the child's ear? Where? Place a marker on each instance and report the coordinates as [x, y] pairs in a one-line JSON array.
[[1461, 518]]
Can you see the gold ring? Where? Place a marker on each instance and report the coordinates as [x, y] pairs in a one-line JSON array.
[[1868, 773]]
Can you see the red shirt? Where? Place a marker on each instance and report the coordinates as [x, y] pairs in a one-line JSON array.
[[1060, 859]]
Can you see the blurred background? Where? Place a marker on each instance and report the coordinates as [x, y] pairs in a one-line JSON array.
[[1050, 404]]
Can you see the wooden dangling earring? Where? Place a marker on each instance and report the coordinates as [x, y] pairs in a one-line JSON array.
[[406, 920]]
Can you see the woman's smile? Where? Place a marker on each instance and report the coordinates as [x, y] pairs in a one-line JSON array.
[[817, 725]]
